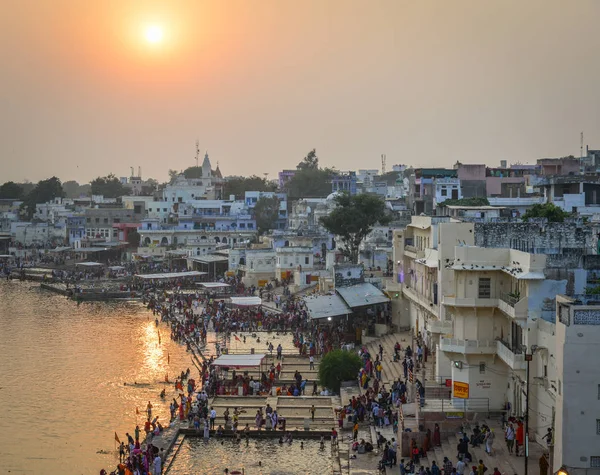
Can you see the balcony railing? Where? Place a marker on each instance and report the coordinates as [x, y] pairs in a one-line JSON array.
[[510, 298], [512, 357], [468, 346]]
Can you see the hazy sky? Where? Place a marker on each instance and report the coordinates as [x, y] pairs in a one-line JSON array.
[[260, 83]]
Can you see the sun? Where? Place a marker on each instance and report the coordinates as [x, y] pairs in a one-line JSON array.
[[154, 34]]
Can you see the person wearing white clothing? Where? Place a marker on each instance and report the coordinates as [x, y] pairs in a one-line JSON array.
[[156, 465]]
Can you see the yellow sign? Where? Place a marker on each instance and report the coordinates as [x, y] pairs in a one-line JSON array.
[[461, 390]]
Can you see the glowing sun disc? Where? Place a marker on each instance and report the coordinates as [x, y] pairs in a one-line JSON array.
[[154, 34]]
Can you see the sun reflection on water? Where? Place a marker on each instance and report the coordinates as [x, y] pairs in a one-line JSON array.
[[154, 357]]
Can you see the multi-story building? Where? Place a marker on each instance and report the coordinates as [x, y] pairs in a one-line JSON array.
[[284, 177], [252, 197], [574, 194], [575, 383], [344, 182], [76, 229], [100, 221], [422, 189]]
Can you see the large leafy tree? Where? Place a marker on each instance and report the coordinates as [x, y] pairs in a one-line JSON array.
[[338, 366], [266, 212], [238, 186], [550, 211], [108, 186], [45, 190], [353, 219], [310, 181], [193, 172], [310, 162], [10, 189], [173, 174], [73, 189]]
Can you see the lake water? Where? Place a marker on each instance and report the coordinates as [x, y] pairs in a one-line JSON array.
[[62, 374], [212, 457]]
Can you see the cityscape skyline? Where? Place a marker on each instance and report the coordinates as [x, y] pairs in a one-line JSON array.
[[262, 84]]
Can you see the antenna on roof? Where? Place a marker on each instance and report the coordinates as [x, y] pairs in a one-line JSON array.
[[197, 151], [581, 153], [383, 163]]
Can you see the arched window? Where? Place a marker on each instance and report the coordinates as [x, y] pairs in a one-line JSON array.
[[164, 241], [224, 240], [217, 239], [147, 241]]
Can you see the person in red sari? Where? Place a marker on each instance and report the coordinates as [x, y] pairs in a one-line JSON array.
[[437, 440]]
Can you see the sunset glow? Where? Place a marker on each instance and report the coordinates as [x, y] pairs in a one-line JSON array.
[[154, 34]]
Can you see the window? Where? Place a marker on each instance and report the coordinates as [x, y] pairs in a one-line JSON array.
[[150, 209], [116, 220], [595, 461], [599, 392], [559, 387], [485, 288], [482, 368], [164, 210], [250, 226], [105, 220], [597, 426], [97, 220], [444, 192], [306, 260]]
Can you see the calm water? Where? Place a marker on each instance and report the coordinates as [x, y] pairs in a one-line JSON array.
[[212, 457], [62, 369]]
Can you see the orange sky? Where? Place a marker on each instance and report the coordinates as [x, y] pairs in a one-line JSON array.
[[261, 82]]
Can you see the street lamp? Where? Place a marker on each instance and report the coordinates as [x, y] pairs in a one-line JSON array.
[[562, 471], [528, 358]]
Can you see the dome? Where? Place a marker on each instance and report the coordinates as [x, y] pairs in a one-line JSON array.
[[332, 196]]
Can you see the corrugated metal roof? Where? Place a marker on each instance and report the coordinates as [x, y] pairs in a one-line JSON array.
[[361, 295], [323, 306]]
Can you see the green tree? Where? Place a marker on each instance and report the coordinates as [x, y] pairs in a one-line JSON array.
[[474, 201], [193, 172], [45, 190], [133, 238], [310, 162], [266, 213], [10, 189], [173, 174], [550, 211], [238, 186], [108, 186], [353, 219], [338, 366], [310, 183], [389, 178]]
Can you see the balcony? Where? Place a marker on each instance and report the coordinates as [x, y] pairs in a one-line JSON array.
[[513, 305], [441, 327], [516, 361], [421, 300], [468, 347], [452, 301], [411, 251]]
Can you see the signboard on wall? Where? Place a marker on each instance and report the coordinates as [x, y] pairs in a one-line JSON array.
[[461, 390], [483, 384]]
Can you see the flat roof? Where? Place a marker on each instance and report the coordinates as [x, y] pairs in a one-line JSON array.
[[239, 360], [529, 275], [212, 285], [246, 301], [89, 264], [171, 275], [210, 258], [60, 249], [324, 306], [484, 207], [361, 295]]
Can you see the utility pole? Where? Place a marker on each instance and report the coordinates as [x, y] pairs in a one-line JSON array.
[[528, 358]]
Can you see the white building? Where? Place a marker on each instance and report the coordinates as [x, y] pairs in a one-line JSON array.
[[446, 188]]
